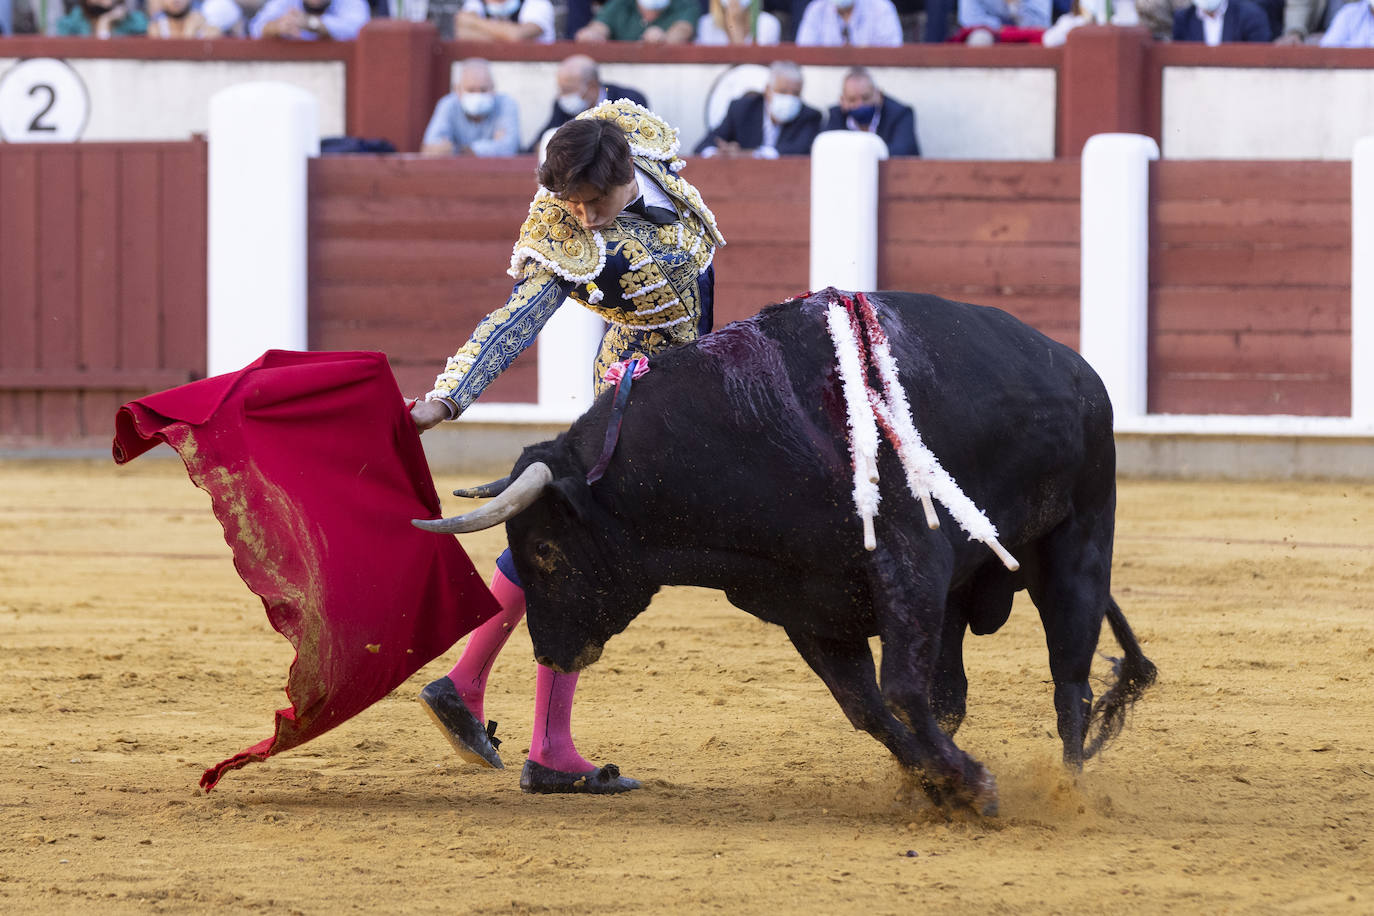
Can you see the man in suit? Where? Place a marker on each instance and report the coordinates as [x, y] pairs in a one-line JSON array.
[[580, 88], [863, 107], [768, 124], [1217, 21]]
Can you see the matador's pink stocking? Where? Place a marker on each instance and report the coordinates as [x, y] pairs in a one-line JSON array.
[[485, 643], [552, 744]]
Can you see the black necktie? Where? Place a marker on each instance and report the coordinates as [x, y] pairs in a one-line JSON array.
[[660, 216]]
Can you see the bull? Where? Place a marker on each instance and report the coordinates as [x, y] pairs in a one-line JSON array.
[[733, 472]]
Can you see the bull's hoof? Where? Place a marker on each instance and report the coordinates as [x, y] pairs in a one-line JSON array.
[[462, 729], [540, 780]]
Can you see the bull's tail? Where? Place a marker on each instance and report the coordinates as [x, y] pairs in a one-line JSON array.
[[1134, 674]]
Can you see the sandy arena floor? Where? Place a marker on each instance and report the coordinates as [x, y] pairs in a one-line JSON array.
[[135, 657]]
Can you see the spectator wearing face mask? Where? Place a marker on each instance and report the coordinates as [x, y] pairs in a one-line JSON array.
[[651, 21], [1351, 27], [505, 20], [103, 19], [857, 23], [769, 124], [337, 20], [738, 22], [863, 107], [1217, 21], [473, 119], [580, 87]]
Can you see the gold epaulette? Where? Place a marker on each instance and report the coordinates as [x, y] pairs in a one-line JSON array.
[[555, 239], [650, 136]]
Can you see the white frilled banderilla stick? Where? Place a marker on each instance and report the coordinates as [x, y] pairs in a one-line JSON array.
[[868, 409]]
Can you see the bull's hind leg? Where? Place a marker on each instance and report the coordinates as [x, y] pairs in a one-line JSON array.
[[1070, 583], [846, 667]]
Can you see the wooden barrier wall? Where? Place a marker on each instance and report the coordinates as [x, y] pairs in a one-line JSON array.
[[102, 277], [102, 282], [1250, 288]]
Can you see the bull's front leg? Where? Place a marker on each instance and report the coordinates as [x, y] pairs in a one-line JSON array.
[[909, 604], [846, 667]]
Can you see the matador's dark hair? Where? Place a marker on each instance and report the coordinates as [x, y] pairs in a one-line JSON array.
[[586, 151]]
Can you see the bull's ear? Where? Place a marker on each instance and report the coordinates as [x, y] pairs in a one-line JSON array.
[[573, 494]]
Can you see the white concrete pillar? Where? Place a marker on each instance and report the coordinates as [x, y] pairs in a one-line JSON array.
[[260, 136], [844, 209], [1115, 258], [568, 344], [1362, 282]]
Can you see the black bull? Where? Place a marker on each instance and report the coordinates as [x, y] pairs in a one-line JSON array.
[[733, 472]]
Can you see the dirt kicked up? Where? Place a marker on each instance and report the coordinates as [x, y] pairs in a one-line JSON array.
[[135, 657]]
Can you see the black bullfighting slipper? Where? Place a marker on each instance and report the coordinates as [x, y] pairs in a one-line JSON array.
[[540, 780], [460, 726]]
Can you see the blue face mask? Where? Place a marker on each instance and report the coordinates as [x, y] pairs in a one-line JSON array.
[[499, 10], [654, 6], [863, 115]]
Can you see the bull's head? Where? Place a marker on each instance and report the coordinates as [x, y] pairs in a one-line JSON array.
[[575, 559]]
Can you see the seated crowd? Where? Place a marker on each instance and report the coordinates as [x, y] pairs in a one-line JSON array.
[[828, 23]]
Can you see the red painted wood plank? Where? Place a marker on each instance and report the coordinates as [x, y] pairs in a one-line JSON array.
[[19, 207], [390, 261], [381, 177], [918, 220], [1256, 221], [1298, 356], [1009, 267], [99, 281], [923, 179], [1248, 396], [140, 260], [1184, 179], [1243, 265], [182, 295], [1252, 308], [59, 251]]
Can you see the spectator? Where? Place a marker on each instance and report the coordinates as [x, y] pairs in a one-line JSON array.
[[863, 107], [102, 18], [6, 17], [505, 20], [315, 20], [652, 21], [226, 16], [1305, 21], [1089, 12], [1158, 16], [1351, 27], [473, 118], [985, 22], [738, 22], [768, 124], [178, 19], [1217, 21], [834, 23], [580, 87]]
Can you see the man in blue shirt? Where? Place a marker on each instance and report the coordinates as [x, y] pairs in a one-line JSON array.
[[310, 20], [473, 119]]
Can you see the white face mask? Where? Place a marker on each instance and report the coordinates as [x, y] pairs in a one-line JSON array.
[[476, 104], [843, 5], [783, 107], [504, 10], [654, 6], [572, 104], [1208, 6]]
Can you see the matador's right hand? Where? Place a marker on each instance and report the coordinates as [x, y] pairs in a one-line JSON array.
[[427, 414]]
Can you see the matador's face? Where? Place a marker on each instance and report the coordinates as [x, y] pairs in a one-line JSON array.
[[596, 208]]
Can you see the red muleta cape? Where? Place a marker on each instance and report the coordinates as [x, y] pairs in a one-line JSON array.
[[315, 469]]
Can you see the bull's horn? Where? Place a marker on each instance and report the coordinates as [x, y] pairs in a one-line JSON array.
[[516, 497], [486, 490]]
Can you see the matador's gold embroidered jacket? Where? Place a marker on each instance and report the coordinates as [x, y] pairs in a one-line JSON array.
[[645, 279]]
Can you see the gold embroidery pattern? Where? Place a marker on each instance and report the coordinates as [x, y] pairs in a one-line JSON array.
[[553, 238], [499, 339]]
